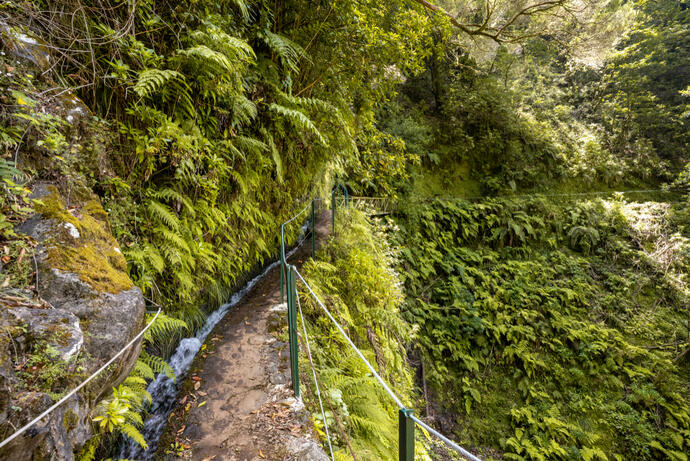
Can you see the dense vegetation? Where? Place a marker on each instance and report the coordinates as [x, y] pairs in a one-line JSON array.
[[354, 277], [554, 331], [549, 330]]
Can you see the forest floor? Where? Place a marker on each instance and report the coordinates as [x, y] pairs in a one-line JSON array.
[[237, 403]]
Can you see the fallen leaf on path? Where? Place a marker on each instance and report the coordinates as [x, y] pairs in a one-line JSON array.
[[197, 385], [210, 458], [202, 393], [182, 429], [6, 259], [201, 404], [184, 399], [196, 378], [261, 454], [22, 252], [189, 405]]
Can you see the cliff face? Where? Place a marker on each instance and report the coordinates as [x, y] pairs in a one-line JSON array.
[[78, 307], [91, 310]]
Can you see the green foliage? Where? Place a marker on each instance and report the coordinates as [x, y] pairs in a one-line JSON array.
[[554, 331], [353, 275]]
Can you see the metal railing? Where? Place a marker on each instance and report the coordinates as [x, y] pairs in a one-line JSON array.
[[289, 273]]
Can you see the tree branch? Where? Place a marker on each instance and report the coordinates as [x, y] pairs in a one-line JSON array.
[[497, 34]]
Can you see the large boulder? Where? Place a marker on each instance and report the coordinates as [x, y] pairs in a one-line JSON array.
[[89, 311]]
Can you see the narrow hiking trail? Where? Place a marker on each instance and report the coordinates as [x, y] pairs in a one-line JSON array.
[[237, 403]]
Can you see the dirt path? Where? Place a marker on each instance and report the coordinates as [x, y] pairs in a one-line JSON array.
[[237, 403]]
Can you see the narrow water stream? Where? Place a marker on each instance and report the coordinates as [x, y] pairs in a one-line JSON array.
[[164, 390]]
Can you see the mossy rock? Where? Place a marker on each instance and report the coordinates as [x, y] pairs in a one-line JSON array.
[[81, 243]]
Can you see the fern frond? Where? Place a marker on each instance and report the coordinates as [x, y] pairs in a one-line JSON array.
[[158, 365], [143, 370], [134, 434], [242, 6], [134, 418], [243, 110], [151, 80], [287, 50], [168, 193], [88, 451], [213, 61], [298, 120], [164, 214], [162, 328]]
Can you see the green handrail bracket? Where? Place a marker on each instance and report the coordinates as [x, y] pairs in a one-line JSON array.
[[292, 327], [405, 435]]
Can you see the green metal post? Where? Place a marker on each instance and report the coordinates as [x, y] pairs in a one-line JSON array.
[[282, 263], [313, 229], [292, 327], [333, 211], [406, 435]]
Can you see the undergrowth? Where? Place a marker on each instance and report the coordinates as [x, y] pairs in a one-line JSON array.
[[554, 330], [353, 275]]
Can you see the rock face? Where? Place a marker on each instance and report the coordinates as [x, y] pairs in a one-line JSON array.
[[94, 311]]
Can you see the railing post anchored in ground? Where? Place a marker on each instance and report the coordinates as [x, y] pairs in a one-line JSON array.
[[282, 263], [292, 326], [406, 435]]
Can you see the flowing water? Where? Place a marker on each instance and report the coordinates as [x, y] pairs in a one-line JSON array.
[[164, 390]]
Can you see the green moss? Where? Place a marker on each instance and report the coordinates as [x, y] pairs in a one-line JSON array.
[[53, 207], [70, 420], [91, 266], [94, 256], [94, 208]]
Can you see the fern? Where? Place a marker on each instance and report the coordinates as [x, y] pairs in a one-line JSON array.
[[151, 80], [213, 62], [164, 214], [134, 434], [298, 120], [244, 111], [275, 155], [288, 51], [162, 328], [167, 193]]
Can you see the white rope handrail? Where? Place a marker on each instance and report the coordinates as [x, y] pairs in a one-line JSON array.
[[445, 439], [84, 383], [298, 214], [366, 362], [316, 382]]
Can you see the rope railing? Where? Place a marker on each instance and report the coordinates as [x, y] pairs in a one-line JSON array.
[[316, 381], [80, 386], [392, 395], [289, 276]]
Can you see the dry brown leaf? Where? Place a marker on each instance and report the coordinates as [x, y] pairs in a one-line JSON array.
[[5, 283], [22, 252], [197, 385]]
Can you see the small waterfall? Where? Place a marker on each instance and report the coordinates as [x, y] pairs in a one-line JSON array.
[[164, 390]]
